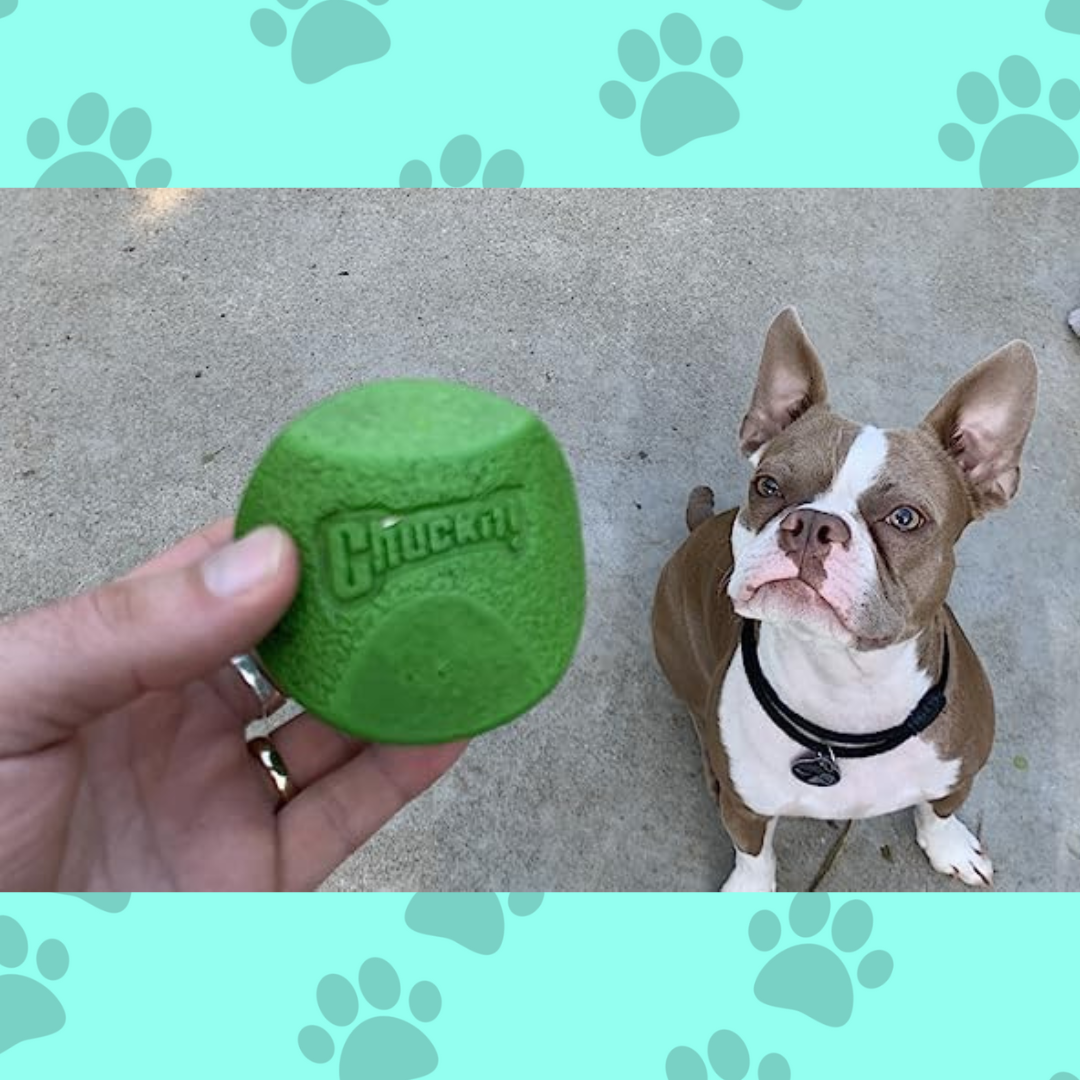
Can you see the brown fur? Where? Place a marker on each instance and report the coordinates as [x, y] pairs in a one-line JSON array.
[[695, 634], [964, 732]]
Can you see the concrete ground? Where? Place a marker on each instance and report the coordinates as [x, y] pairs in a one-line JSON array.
[[151, 343]]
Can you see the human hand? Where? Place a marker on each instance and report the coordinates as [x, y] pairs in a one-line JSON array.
[[123, 760]]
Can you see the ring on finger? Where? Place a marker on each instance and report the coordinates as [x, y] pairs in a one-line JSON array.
[[266, 754], [250, 670]]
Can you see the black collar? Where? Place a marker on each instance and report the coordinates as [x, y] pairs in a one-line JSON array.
[[836, 744]]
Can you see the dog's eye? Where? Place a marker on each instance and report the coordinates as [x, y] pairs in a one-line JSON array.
[[767, 487], [905, 519]]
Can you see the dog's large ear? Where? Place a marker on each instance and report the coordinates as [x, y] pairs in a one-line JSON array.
[[790, 381], [984, 419]]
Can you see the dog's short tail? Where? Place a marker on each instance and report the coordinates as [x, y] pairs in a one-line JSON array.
[[699, 507]]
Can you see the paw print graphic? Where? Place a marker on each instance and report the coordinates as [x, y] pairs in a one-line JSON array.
[[812, 978], [380, 1047]]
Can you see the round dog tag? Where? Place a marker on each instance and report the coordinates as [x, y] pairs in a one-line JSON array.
[[816, 769]]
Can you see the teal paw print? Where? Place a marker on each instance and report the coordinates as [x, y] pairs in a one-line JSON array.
[[1020, 148], [111, 902], [729, 1059], [811, 978], [332, 35], [7, 7], [784, 5], [684, 105], [474, 920], [459, 164], [28, 1009], [87, 121], [1064, 15], [381, 1047]]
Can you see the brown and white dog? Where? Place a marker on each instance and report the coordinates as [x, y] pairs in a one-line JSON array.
[[808, 631]]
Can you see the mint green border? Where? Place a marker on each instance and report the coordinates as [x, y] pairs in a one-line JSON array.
[[830, 93], [837, 93], [589, 985]]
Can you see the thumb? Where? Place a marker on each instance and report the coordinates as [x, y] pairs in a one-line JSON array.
[[74, 660]]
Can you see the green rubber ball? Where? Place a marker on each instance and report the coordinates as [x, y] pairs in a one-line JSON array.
[[442, 580]]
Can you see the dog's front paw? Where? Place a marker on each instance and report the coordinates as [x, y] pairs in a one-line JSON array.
[[952, 848]]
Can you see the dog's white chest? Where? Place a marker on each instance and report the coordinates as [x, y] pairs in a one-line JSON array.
[[760, 757]]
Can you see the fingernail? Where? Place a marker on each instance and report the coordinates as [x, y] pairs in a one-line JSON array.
[[246, 563]]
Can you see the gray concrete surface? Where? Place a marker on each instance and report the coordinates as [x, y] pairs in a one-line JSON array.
[[150, 344]]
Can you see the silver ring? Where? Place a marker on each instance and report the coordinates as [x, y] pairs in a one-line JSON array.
[[270, 697]]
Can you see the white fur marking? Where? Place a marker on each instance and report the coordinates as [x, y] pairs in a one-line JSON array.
[[741, 537], [840, 690], [860, 470], [754, 873]]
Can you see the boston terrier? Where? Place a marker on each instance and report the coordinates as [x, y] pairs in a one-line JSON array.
[[807, 630]]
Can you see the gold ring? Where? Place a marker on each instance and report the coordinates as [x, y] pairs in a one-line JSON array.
[[265, 753]]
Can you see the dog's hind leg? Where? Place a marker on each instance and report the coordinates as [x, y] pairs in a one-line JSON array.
[[712, 781], [755, 859]]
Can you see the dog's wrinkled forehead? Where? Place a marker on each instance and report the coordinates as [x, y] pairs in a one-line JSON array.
[[807, 458], [814, 448]]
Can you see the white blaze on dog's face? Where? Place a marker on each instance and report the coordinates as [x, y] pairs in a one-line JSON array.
[[848, 530]]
